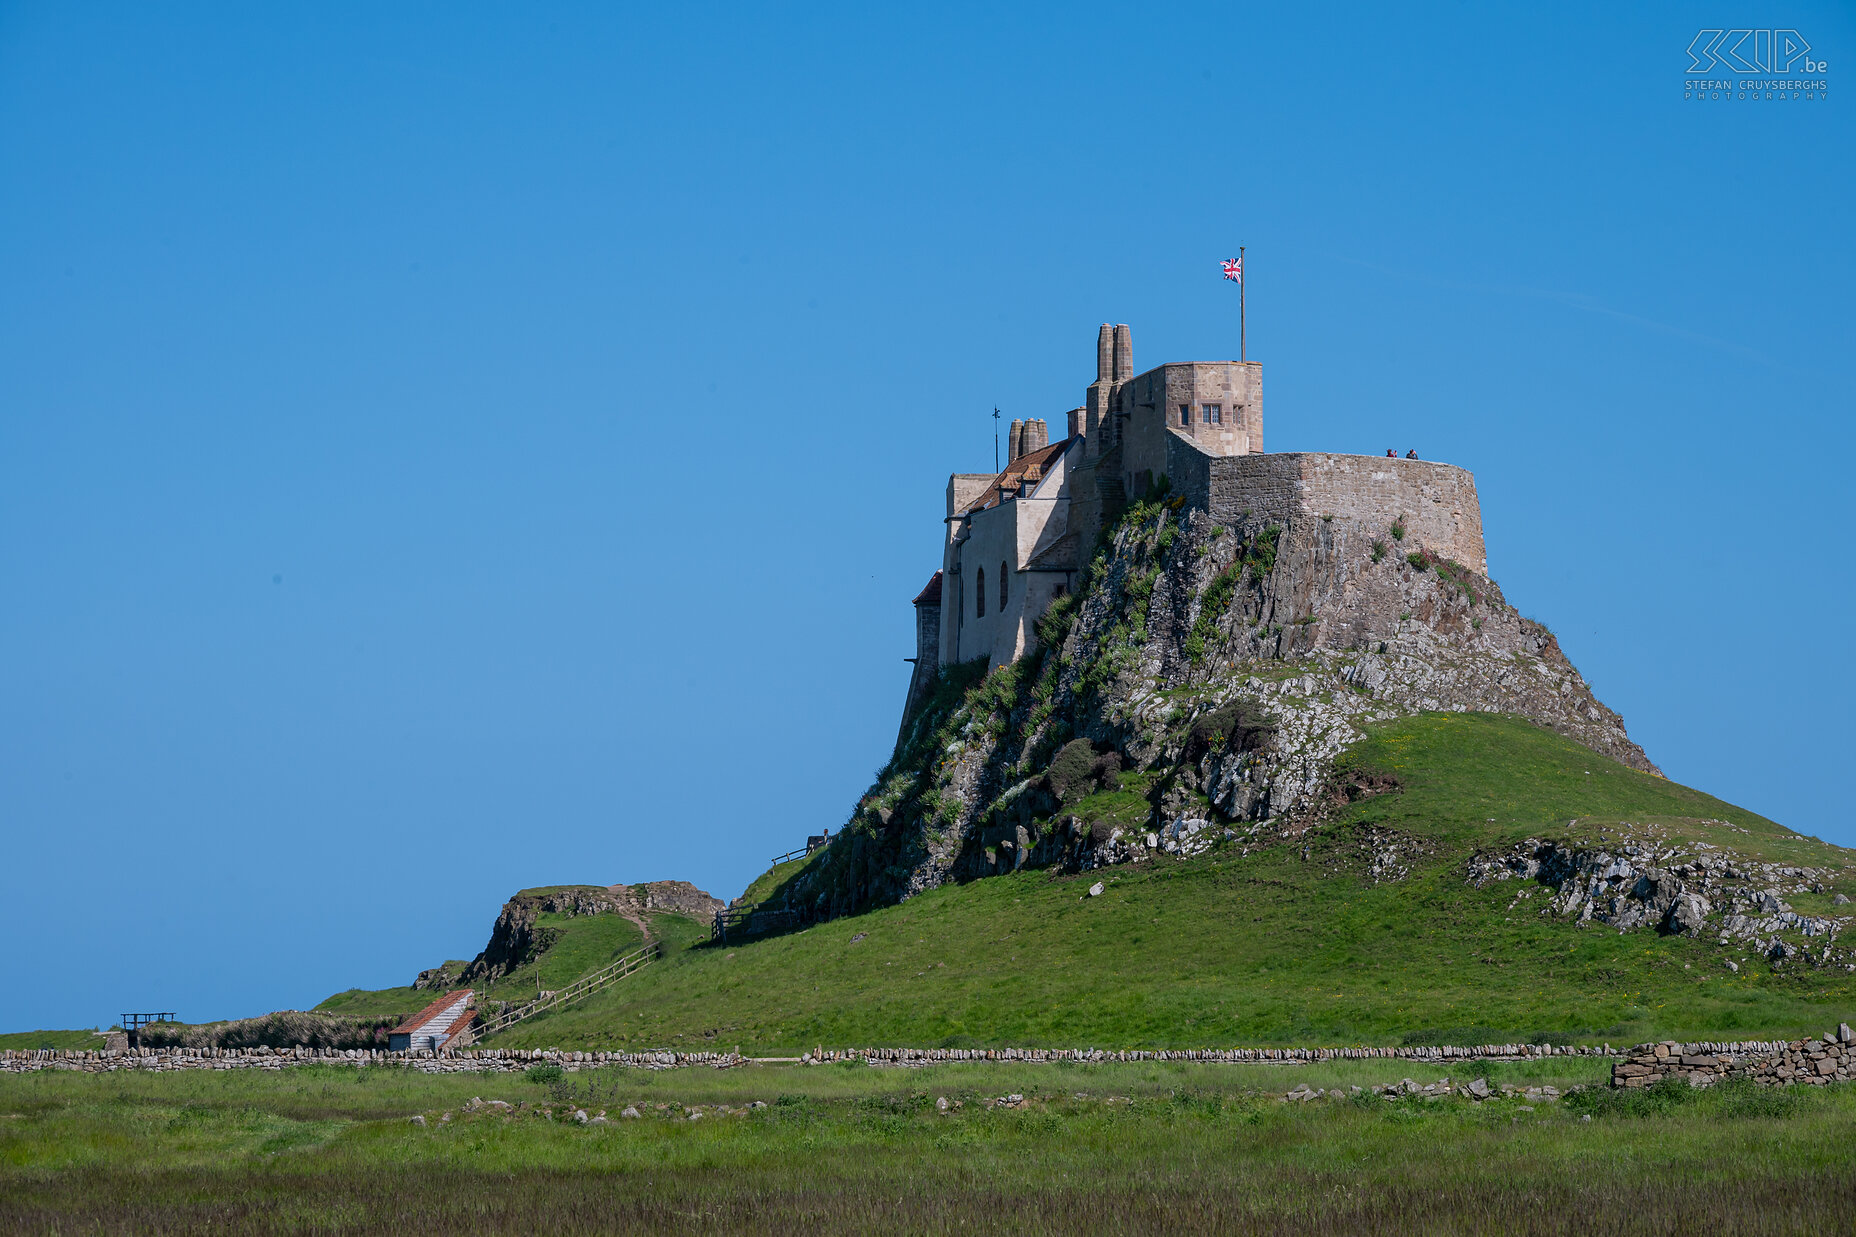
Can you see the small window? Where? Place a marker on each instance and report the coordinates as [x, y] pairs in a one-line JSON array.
[[1185, 414], [1212, 414], [1005, 584], [1058, 590], [979, 594]]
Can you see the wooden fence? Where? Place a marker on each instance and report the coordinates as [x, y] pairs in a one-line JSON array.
[[579, 990]]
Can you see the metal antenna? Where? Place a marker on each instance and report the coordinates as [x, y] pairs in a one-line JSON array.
[[995, 440]]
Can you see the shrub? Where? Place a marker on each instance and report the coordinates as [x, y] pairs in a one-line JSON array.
[[544, 1075], [1073, 771], [1416, 559], [1379, 551], [1398, 529], [1078, 771], [1236, 726], [284, 1029]]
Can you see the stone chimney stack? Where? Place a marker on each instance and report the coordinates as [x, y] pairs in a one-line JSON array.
[[1037, 436], [1076, 422], [1015, 441], [1124, 353], [1095, 401]]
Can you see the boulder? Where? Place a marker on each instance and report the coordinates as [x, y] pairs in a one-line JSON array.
[[1687, 914]]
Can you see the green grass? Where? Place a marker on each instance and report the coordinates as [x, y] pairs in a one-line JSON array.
[[1261, 948], [363, 1003], [585, 943], [22, 1041], [773, 878], [1481, 778], [1115, 1148]]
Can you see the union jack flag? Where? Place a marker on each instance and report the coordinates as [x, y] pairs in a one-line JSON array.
[[1234, 269]]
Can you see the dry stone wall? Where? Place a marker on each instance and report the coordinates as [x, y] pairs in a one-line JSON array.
[[470, 1061], [1812, 1062], [507, 1060]]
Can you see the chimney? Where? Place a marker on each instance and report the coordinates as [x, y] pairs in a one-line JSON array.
[[1124, 353], [1105, 353], [1037, 436], [1076, 422], [1015, 441]]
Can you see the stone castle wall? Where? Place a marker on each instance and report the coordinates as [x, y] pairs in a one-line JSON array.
[[1437, 502]]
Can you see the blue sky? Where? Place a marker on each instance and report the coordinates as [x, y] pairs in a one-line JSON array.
[[448, 449]]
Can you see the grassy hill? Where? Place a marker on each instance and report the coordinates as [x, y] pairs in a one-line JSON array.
[[576, 945], [1277, 941]]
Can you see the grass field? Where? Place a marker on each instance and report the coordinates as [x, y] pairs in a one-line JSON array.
[[1269, 947], [837, 1149], [26, 1041]]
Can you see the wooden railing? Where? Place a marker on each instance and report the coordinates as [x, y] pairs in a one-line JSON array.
[[579, 990], [752, 921], [816, 842]]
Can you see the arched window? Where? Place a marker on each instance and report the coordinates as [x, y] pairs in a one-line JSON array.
[[1005, 587], [979, 594]]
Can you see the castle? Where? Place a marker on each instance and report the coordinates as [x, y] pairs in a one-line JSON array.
[[1016, 540]]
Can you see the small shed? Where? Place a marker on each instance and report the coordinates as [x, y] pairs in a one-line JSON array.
[[434, 1026]]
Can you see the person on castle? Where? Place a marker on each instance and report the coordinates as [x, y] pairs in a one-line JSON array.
[[1412, 454], [1391, 453]]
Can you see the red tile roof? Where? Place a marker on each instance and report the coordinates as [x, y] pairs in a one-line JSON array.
[[1032, 465], [930, 596], [431, 1011]]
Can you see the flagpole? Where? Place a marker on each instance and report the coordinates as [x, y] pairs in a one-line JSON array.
[[1243, 353]]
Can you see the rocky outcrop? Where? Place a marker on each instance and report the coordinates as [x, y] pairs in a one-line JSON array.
[[1644, 880], [518, 938], [443, 977], [1226, 666]]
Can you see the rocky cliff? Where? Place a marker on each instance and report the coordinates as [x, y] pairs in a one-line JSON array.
[[1200, 684], [518, 937]]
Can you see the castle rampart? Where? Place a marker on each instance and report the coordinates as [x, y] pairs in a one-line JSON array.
[[1437, 503]]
